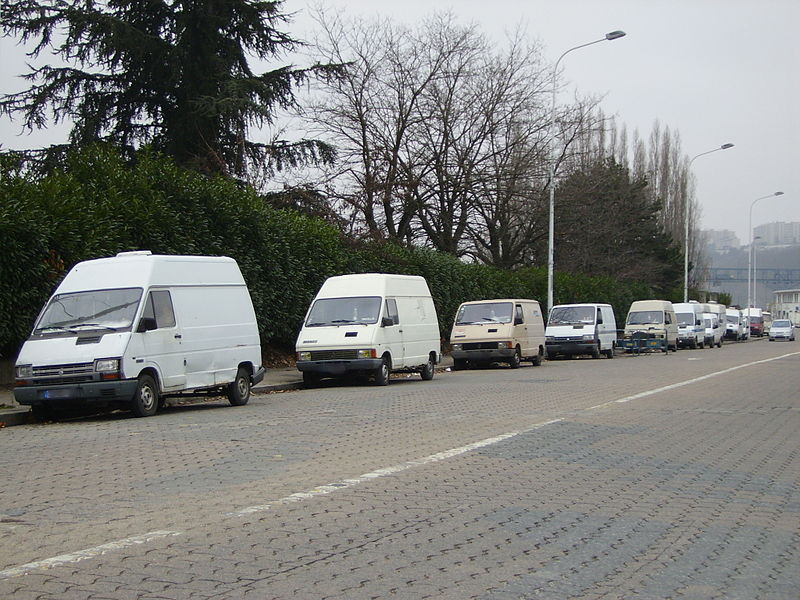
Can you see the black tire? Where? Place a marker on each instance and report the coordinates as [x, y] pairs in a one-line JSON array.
[[515, 360], [596, 351], [459, 364], [43, 412], [239, 390], [537, 360], [610, 352], [427, 371], [145, 399], [310, 379], [382, 373]]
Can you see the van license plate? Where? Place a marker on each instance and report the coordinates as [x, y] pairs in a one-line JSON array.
[[55, 394]]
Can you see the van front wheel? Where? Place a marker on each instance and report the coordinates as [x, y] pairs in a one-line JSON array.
[[427, 371], [145, 400], [382, 373], [239, 390], [515, 360]]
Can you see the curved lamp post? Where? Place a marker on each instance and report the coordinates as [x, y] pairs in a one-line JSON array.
[[686, 225], [750, 247], [613, 35]]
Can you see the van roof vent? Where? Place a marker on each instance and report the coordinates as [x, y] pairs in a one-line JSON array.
[[135, 253]]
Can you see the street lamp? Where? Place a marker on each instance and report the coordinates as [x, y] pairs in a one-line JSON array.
[[686, 225], [755, 273], [750, 247], [613, 35]]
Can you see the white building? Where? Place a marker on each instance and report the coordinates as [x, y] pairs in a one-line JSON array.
[[786, 305], [778, 233]]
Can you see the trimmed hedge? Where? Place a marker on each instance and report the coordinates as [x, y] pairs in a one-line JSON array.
[[97, 205]]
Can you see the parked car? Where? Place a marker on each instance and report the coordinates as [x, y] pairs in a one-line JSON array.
[[781, 329], [369, 324], [131, 330], [506, 330], [691, 332]]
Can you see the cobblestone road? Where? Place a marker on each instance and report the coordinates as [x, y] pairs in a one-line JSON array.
[[639, 477]]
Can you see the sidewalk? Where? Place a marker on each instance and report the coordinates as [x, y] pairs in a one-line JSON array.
[[277, 379]]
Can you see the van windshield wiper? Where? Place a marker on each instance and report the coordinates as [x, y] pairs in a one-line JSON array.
[[344, 321], [50, 328], [93, 326]]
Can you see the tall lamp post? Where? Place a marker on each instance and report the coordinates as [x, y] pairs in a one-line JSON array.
[[613, 35], [686, 225], [755, 272], [750, 247]]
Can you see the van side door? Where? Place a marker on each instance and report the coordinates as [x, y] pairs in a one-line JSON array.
[[159, 337], [391, 332]]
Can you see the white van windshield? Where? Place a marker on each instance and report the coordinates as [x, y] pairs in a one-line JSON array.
[[685, 319], [487, 312], [572, 315], [96, 309], [363, 310], [732, 319], [646, 317]]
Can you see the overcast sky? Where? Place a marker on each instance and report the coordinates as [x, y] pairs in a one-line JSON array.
[[716, 71]]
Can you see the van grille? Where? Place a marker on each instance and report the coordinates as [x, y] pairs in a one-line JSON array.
[[480, 346], [570, 338], [334, 354], [54, 374]]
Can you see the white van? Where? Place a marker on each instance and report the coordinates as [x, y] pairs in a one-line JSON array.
[[713, 330], [736, 325], [505, 330], [691, 331], [369, 324], [652, 320], [719, 310], [131, 330], [574, 329]]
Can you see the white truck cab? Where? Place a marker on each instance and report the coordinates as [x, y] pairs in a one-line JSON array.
[[132, 330]]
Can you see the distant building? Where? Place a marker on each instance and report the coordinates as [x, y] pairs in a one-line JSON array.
[[786, 305], [778, 234], [721, 240]]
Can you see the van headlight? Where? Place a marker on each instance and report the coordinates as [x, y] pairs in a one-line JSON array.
[[24, 371], [304, 356], [106, 365], [550, 338], [369, 353], [504, 344], [589, 337], [456, 347]]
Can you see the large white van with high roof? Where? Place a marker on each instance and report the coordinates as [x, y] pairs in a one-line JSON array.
[[132, 330]]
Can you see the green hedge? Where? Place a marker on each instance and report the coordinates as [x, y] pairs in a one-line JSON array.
[[96, 205]]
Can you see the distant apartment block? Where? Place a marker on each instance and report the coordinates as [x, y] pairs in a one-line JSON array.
[[778, 234], [721, 240]]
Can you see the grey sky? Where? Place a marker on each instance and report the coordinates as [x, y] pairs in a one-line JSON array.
[[716, 71]]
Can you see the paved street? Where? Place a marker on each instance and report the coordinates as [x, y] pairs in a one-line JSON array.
[[661, 476]]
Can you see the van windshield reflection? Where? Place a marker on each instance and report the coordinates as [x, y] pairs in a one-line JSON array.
[[95, 309], [487, 312], [572, 315], [360, 310], [646, 317]]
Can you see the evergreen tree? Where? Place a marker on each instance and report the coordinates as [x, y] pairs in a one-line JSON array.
[[171, 73]]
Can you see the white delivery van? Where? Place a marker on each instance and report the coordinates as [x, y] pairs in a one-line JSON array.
[[713, 330], [736, 326], [505, 330], [132, 330], [574, 329], [691, 331], [719, 310], [369, 324], [652, 320]]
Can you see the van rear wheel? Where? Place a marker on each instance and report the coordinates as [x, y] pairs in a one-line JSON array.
[[537, 360], [427, 371], [239, 390], [145, 399]]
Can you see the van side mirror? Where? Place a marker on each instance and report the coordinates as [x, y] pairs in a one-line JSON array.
[[146, 324], [387, 322]]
